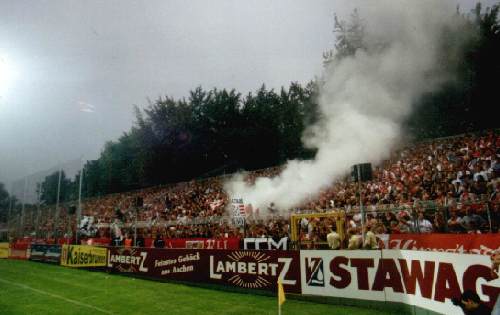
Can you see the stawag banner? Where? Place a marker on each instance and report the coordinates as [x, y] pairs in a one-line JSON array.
[[83, 256], [245, 269], [425, 279]]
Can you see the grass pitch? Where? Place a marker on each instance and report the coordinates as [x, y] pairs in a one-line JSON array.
[[35, 288]]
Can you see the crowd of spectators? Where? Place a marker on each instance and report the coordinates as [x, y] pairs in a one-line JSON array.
[[445, 185]]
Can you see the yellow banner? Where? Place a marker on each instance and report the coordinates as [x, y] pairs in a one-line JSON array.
[[83, 256], [4, 250]]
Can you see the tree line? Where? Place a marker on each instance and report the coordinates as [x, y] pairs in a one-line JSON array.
[[217, 131]]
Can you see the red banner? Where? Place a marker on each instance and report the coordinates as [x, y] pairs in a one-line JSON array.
[[103, 241], [180, 243], [19, 250], [205, 243], [482, 244], [246, 269]]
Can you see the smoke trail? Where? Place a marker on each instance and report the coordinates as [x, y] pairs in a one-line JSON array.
[[364, 100]]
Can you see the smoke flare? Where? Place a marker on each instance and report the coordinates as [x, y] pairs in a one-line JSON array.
[[364, 100]]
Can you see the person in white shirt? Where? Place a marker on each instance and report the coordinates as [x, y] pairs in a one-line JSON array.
[[333, 238], [424, 225], [355, 240], [370, 239]]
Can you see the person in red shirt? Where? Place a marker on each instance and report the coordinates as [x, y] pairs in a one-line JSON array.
[[127, 242]]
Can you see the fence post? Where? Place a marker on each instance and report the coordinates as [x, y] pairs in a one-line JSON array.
[[489, 216]]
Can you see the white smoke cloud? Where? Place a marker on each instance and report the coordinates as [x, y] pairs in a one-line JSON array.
[[364, 101]]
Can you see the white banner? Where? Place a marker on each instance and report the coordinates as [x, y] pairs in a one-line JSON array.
[[424, 279]]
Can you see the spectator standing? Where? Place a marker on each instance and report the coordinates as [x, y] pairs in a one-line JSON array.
[[422, 225], [159, 242], [333, 238], [127, 242], [455, 223], [370, 239]]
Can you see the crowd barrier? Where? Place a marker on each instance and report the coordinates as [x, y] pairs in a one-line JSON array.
[[423, 280], [482, 244], [4, 250], [426, 280]]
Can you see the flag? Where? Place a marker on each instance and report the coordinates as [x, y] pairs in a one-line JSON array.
[[281, 293], [242, 209]]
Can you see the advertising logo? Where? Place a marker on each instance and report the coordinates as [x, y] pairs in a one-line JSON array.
[[315, 275], [128, 260], [251, 269]]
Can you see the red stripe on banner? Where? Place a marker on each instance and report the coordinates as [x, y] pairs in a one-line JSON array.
[[482, 244]]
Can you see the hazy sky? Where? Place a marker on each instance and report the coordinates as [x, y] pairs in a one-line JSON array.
[[70, 71]]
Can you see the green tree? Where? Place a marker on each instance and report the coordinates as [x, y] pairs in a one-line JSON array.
[[49, 187], [207, 134], [4, 203], [469, 51], [349, 37]]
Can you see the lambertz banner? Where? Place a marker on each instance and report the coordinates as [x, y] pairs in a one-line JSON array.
[[83, 256], [245, 269], [429, 281], [46, 253]]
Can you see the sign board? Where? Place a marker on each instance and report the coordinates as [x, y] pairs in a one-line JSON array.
[[4, 250], [429, 281], [483, 244], [265, 243], [83, 256], [46, 253], [245, 269]]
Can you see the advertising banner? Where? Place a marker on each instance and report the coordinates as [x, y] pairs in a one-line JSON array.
[[431, 281], [4, 250], [46, 253], [265, 243], [428, 281], [245, 269], [96, 241], [19, 250], [83, 256], [206, 243], [341, 273], [482, 244]]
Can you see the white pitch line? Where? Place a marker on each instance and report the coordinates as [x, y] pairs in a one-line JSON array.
[[56, 296]]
